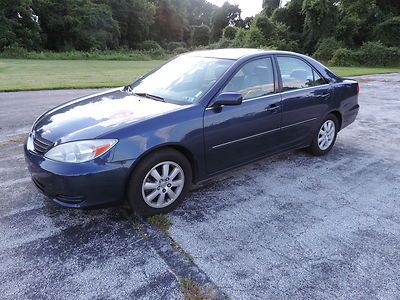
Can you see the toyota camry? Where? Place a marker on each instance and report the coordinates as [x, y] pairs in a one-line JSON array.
[[196, 116]]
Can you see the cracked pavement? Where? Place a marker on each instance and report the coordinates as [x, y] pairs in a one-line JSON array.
[[291, 226]]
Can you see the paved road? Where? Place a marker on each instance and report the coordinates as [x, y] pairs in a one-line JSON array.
[[47, 252], [301, 227], [288, 227], [18, 110]]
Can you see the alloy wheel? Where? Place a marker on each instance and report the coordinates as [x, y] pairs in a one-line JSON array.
[[163, 184], [326, 135]]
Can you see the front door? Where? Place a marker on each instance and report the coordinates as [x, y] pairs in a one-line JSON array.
[[236, 134]]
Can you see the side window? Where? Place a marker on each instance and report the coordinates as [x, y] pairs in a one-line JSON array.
[[254, 79], [318, 80], [296, 74]]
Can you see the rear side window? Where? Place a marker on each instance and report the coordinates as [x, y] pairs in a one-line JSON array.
[[254, 79], [296, 74]]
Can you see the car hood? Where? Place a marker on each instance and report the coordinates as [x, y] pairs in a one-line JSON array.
[[93, 116]]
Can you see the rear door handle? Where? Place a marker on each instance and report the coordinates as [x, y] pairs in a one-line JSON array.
[[272, 107], [325, 95]]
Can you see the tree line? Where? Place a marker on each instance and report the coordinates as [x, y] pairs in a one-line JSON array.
[[323, 28], [62, 25]]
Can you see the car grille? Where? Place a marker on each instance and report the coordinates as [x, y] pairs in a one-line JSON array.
[[41, 145]]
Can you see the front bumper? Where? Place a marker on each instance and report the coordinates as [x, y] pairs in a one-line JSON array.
[[84, 185]]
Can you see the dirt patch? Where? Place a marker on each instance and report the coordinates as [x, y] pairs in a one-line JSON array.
[[19, 138], [192, 291]]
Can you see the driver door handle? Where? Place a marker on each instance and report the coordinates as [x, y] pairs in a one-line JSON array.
[[272, 107]]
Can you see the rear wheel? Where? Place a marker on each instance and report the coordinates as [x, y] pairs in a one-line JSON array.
[[325, 137], [160, 182]]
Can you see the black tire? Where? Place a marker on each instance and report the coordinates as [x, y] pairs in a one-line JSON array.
[[140, 172], [315, 148]]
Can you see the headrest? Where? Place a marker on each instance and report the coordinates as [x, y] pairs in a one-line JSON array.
[[299, 74]]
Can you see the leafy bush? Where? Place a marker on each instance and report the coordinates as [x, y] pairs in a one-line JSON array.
[[179, 50], [230, 32], [326, 48], [372, 54], [135, 55], [255, 38], [171, 46], [225, 43], [376, 54], [153, 49], [14, 51], [149, 46], [344, 57], [286, 45], [240, 38]]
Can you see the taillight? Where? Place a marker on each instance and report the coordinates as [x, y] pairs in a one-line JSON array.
[[358, 88]]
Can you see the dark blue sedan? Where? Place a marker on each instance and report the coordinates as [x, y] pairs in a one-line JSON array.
[[198, 115]]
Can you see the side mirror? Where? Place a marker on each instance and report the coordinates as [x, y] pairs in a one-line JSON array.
[[229, 98]]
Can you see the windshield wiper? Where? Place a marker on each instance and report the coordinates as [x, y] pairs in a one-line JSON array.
[[150, 96]]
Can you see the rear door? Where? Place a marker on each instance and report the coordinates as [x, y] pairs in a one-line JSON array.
[[305, 95], [236, 134]]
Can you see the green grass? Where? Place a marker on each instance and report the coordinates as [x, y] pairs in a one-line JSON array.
[[26, 74], [354, 71], [23, 74], [160, 221]]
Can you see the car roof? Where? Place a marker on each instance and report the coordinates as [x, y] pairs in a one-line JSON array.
[[233, 53]]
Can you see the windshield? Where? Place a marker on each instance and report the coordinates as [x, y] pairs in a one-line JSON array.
[[183, 80]]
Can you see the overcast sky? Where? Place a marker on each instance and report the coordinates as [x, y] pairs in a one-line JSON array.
[[248, 7]]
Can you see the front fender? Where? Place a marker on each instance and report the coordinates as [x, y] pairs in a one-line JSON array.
[[181, 129]]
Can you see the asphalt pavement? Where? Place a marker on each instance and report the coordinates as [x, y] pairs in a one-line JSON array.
[[292, 226]]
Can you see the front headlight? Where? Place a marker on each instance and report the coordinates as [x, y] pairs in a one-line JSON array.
[[80, 151]]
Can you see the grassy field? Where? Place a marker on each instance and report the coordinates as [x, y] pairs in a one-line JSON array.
[[354, 71], [22, 74]]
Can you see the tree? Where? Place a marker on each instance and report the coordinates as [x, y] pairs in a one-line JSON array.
[[200, 12], [244, 23], [389, 7], [230, 32], [240, 38], [255, 38], [77, 24], [19, 25], [320, 19], [291, 15], [200, 35], [265, 25], [225, 15], [170, 22], [270, 5], [357, 20], [134, 19], [388, 32]]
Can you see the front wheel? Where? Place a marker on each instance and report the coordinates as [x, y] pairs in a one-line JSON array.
[[159, 183], [325, 137]]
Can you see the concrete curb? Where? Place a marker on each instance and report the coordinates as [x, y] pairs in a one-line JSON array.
[[177, 260]]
